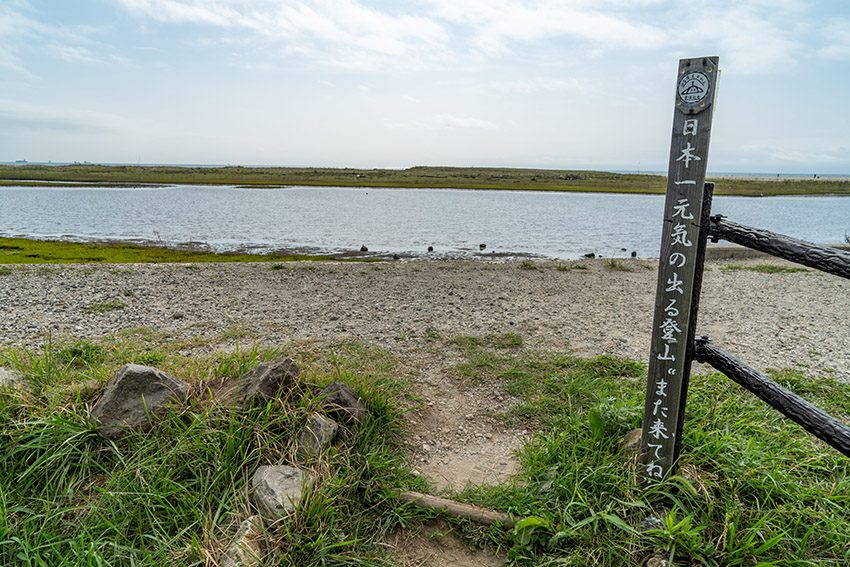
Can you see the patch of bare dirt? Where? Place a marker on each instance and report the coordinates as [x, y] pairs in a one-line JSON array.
[[457, 439], [435, 545]]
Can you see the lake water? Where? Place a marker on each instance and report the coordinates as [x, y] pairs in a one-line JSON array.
[[390, 221]]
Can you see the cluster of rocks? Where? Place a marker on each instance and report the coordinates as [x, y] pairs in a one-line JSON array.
[[137, 396]]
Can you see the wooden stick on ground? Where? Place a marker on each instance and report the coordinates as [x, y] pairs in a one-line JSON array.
[[457, 509]]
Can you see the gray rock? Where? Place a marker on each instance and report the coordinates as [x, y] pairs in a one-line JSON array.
[[268, 380], [657, 561], [318, 433], [630, 445], [11, 379], [276, 490], [246, 547], [340, 401], [265, 381], [133, 396], [650, 523]]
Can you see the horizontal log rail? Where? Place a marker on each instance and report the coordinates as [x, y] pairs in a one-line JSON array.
[[810, 417], [824, 258]]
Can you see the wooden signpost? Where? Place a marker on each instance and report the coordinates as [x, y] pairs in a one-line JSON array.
[[686, 211]]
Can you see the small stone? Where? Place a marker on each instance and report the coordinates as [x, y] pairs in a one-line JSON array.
[[650, 523], [133, 396], [276, 490], [657, 561], [265, 381], [630, 445], [11, 379], [246, 548], [318, 433], [339, 400]]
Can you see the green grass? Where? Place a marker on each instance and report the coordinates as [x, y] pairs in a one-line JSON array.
[[414, 177], [25, 251], [752, 489], [765, 268], [104, 307], [569, 267], [617, 266], [69, 497]]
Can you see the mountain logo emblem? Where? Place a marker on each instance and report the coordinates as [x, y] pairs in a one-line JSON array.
[[693, 87]]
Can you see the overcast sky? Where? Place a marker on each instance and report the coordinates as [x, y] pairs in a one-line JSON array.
[[573, 84]]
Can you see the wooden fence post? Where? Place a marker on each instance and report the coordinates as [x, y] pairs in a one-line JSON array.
[[674, 323]]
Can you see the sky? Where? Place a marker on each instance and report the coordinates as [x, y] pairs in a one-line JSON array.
[[570, 84]]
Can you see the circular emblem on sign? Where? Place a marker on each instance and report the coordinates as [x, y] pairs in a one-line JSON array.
[[693, 87]]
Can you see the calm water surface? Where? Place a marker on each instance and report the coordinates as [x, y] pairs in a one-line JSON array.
[[391, 221]]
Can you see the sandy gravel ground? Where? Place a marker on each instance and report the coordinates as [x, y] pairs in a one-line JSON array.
[[769, 320], [783, 319]]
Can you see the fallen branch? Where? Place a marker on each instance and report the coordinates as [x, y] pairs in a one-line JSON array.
[[457, 509]]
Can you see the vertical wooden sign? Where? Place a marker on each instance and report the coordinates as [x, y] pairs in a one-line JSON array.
[[674, 321]]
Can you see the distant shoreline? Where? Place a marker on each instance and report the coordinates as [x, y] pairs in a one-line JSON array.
[[482, 178]]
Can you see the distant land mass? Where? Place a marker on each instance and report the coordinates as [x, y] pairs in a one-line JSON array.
[[23, 173]]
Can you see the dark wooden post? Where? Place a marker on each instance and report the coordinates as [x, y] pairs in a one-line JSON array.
[[674, 323]]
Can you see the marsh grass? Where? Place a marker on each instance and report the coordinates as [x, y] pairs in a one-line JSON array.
[[164, 497], [569, 267], [414, 177], [104, 307], [26, 251], [617, 266], [752, 489], [765, 268]]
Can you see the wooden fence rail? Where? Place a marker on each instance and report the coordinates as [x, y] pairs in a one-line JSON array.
[[824, 258], [811, 418]]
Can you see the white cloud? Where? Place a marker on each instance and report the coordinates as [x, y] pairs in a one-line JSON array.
[[351, 33], [756, 37], [501, 26], [336, 32], [445, 121], [837, 34], [73, 53], [18, 116], [536, 85], [451, 121], [22, 34], [752, 36]]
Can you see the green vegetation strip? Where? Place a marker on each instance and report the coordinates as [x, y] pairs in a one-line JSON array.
[[414, 177], [753, 488], [26, 251], [764, 268]]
